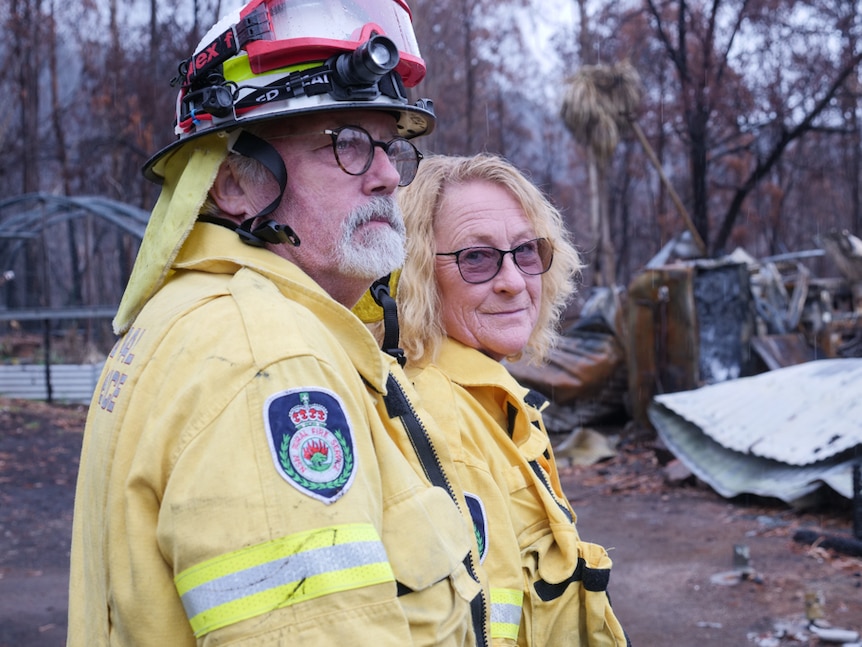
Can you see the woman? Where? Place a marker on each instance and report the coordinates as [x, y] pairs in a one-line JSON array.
[[488, 274]]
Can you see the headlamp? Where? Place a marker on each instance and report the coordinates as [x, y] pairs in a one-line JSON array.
[[368, 63]]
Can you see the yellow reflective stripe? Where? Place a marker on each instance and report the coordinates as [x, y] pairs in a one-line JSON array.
[[238, 69], [280, 573], [506, 613]]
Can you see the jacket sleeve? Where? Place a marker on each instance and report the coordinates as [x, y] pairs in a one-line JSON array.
[[272, 515]]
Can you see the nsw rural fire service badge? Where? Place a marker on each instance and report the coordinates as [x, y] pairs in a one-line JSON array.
[[311, 442]]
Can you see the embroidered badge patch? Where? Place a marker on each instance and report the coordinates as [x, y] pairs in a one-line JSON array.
[[311, 442], [480, 523]]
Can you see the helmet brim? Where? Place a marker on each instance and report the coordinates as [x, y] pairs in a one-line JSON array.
[[413, 121]]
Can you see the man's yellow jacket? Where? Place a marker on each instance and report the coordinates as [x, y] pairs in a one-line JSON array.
[[239, 485]]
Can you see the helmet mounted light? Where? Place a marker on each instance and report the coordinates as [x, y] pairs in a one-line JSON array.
[[368, 63]]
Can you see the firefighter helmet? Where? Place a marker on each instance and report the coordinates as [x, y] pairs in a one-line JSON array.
[[276, 58]]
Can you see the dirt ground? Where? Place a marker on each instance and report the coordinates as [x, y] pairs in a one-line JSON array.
[[674, 581]]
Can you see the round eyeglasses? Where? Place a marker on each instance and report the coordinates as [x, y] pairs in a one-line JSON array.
[[354, 152], [481, 264]]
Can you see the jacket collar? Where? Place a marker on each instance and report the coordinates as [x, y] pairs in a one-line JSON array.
[[215, 249], [471, 368]]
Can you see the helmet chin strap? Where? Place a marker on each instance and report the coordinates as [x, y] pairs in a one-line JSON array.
[[268, 231], [391, 333]]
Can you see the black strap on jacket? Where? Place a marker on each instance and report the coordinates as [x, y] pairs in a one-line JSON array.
[[594, 579], [391, 332]]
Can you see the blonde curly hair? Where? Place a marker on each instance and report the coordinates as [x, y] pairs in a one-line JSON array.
[[418, 294]]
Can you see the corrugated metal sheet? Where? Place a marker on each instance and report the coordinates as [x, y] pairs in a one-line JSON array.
[[69, 382], [780, 434], [797, 415]]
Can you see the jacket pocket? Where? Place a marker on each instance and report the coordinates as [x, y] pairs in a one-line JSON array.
[[576, 610], [427, 541], [425, 536]]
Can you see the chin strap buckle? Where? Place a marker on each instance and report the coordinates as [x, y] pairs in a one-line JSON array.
[[391, 334], [268, 232]]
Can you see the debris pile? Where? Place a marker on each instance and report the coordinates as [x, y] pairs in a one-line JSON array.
[[748, 370]]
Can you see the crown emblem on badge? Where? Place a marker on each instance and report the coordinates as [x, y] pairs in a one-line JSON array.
[[305, 414]]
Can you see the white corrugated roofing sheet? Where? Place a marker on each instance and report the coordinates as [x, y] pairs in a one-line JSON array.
[[782, 433], [69, 382]]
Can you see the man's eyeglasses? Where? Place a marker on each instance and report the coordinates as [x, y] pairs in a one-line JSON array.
[[481, 264], [354, 152]]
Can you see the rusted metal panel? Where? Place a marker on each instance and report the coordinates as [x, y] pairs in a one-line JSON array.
[[778, 351], [580, 367], [688, 325], [662, 335]]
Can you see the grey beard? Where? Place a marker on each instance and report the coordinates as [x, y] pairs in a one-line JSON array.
[[374, 254]]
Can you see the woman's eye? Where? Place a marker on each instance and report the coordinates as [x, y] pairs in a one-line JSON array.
[[477, 255]]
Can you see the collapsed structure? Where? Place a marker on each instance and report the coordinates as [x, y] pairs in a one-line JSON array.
[[747, 369]]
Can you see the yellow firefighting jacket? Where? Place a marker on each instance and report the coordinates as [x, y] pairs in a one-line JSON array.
[[547, 586], [238, 485]]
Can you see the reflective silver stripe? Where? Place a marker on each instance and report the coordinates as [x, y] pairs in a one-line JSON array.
[[269, 576], [505, 613]]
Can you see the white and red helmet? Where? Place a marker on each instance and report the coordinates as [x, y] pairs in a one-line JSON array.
[[277, 58]]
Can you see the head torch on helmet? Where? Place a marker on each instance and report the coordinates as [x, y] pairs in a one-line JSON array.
[[275, 58]]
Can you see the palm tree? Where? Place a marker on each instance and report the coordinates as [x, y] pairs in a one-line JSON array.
[[599, 106]]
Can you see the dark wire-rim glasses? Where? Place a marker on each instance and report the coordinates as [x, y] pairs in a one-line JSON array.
[[481, 264], [354, 151]]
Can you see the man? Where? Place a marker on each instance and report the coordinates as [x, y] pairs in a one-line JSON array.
[[248, 474]]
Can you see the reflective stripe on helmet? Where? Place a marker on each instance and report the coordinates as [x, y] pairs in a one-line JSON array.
[[506, 613], [279, 573]]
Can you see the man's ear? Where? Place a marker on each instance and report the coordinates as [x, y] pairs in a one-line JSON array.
[[229, 195]]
